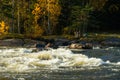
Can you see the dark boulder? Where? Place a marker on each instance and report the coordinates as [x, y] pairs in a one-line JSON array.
[[12, 42], [33, 43], [40, 46], [60, 42], [87, 46]]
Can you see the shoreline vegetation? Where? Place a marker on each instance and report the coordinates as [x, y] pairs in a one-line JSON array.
[[91, 36]]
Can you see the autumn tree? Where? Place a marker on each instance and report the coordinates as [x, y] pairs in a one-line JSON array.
[[46, 13], [3, 28], [5, 12]]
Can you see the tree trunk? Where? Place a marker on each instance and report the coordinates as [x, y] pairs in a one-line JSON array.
[[12, 29], [18, 15]]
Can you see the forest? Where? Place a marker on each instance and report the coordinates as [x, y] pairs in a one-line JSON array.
[[35, 18]]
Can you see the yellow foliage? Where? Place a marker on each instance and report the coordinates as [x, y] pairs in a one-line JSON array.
[[47, 9], [3, 28]]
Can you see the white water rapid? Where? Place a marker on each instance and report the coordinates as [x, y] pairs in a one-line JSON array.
[[21, 59]]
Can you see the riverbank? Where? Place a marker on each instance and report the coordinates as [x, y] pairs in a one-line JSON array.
[[95, 39]]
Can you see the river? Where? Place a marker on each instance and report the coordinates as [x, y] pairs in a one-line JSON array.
[[60, 64]]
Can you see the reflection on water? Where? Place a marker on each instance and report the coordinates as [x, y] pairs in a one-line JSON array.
[[59, 64]]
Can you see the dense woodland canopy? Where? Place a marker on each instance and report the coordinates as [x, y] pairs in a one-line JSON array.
[[48, 17]]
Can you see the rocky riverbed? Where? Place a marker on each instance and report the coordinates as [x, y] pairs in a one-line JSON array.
[[60, 42]]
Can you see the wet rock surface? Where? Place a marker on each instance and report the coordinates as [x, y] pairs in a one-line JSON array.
[[56, 43], [12, 42], [33, 43]]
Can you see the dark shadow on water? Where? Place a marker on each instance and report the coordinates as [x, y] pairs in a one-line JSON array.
[[82, 73]]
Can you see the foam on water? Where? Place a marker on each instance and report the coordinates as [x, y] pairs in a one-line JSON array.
[[118, 63], [21, 59]]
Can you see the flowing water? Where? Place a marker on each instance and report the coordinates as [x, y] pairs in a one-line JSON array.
[[60, 64]]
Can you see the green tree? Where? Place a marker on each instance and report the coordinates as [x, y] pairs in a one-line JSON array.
[[79, 19], [79, 14]]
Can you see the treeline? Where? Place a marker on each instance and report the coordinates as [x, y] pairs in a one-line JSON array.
[[48, 17]]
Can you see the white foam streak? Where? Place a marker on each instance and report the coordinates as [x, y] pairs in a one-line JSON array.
[[21, 59], [118, 63]]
